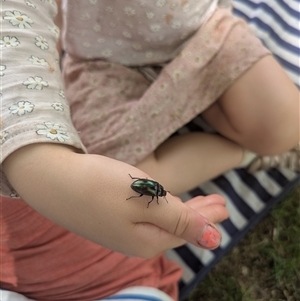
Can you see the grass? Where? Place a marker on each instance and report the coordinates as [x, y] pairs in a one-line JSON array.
[[265, 266]]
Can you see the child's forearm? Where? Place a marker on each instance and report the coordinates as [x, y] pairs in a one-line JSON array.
[[87, 194]]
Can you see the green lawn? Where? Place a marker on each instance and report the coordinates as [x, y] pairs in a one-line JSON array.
[[265, 266]]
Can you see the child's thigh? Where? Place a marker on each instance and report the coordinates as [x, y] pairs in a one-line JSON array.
[[260, 111]]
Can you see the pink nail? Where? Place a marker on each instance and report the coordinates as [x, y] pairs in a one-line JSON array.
[[211, 238]]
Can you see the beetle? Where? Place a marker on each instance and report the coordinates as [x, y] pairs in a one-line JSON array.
[[147, 187]]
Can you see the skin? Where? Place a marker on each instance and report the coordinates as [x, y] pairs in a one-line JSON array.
[[86, 194], [260, 111]]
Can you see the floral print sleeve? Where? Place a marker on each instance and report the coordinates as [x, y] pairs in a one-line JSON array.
[[33, 104]]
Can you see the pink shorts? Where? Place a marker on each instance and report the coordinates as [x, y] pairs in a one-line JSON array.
[[45, 262]]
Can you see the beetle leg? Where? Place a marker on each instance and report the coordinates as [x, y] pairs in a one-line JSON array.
[[135, 196], [166, 199], [157, 200], [150, 201]]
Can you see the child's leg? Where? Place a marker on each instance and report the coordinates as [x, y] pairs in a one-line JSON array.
[[260, 111], [183, 162]]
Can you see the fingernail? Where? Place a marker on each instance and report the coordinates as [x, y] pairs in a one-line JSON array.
[[211, 238]]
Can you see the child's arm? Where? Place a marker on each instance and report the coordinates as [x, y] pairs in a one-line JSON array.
[[84, 193], [87, 194]]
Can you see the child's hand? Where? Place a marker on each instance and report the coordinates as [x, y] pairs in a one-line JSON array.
[[87, 194]]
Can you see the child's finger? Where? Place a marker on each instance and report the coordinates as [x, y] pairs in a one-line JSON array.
[[184, 222]]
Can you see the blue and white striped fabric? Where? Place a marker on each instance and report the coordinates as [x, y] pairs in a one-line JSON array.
[[249, 196], [277, 24]]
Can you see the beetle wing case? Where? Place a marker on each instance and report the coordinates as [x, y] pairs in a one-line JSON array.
[[147, 187]]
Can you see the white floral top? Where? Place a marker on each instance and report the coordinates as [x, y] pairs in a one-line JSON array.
[[34, 108], [132, 32]]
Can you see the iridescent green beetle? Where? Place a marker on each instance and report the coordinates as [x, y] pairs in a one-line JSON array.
[[147, 187]]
